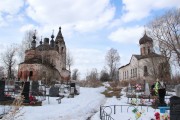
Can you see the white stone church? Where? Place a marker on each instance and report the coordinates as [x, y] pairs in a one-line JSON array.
[[146, 66]]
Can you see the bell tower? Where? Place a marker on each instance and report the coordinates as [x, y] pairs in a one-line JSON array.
[[61, 48], [146, 45]]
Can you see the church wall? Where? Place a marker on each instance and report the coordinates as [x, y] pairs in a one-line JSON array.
[[29, 54], [37, 72], [135, 70]]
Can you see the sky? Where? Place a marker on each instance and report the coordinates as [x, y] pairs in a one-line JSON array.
[[90, 27]]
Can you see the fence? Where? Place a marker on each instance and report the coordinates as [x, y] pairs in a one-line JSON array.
[[112, 109]]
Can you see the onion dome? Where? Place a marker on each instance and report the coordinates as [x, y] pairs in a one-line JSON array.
[[52, 41], [145, 39]]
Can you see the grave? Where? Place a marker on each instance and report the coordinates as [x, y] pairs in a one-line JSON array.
[[174, 108], [2, 87], [129, 88], [177, 90], [54, 91], [25, 91], [147, 91], [175, 105], [35, 87]]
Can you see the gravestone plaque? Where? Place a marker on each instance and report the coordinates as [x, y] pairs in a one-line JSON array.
[[2, 87], [177, 89], [25, 92], [147, 91], [54, 91]]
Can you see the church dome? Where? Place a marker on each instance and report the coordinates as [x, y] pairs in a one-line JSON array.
[[145, 39]]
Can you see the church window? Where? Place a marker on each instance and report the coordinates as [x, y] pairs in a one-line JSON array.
[[144, 50], [127, 75], [149, 50], [30, 73], [145, 71], [135, 72], [62, 49]]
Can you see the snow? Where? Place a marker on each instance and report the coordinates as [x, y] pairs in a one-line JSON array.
[[85, 106], [78, 108]]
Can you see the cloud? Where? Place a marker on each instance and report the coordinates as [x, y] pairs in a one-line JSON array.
[[80, 15], [28, 27], [127, 35], [139, 9], [8, 11], [10, 6], [86, 59]]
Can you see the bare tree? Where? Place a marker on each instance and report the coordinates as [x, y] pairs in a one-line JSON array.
[[1, 72], [112, 59], [8, 58], [75, 74], [93, 75], [165, 30], [104, 76], [26, 43], [69, 60]]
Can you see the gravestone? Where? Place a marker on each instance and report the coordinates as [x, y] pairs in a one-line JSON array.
[[35, 87], [54, 91], [72, 88], [174, 108], [129, 89], [2, 87], [62, 89], [77, 89], [177, 90], [147, 91], [25, 91]]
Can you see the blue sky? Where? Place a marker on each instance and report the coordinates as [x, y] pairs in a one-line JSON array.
[[90, 27]]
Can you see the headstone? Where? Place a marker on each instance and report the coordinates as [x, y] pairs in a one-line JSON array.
[[174, 108], [177, 90], [77, 89], [35, 87], [129, 89], [62, 89], [25, 92], [2, 87], [147, 91], [72, 85], [54, 91], [72, 90]]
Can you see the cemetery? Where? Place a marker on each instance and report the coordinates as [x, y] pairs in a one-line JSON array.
[[34, 93], [136, 99], [108, 60]]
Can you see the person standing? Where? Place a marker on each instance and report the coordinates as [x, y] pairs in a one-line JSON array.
[[160, 90]]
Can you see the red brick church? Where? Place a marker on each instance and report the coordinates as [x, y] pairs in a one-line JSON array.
[[45, 61]]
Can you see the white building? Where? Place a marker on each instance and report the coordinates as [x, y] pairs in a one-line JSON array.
[[146, 66]]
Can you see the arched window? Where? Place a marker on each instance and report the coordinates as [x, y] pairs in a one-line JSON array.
[[30, 73], [62, 49], [149, 51], [145, 71]]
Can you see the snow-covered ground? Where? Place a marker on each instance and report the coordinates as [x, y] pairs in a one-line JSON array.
[[85, 106]]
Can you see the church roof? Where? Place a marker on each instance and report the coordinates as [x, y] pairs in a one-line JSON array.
[[43, 47], [59, 37], [139, 57], [145, 39]]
